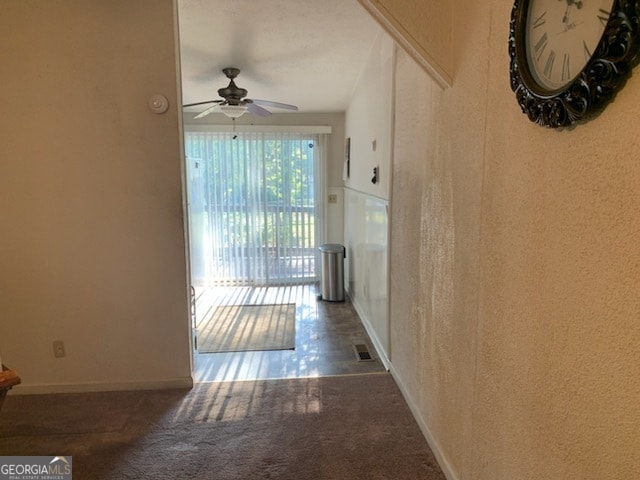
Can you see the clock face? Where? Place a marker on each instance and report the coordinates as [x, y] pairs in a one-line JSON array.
[[561, 36]]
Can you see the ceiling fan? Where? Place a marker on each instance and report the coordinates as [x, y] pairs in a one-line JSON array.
[[234, 104]]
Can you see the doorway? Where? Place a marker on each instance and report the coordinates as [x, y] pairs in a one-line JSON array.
[[254, 207], [255, 210]]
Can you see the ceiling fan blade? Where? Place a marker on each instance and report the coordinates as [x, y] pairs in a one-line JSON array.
[[268, 103], [258, 110], [202, 103], [206, 112]]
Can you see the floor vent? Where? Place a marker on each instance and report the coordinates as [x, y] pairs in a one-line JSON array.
[[362, 353]]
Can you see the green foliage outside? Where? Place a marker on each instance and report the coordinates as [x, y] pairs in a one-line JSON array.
[[260, 193]]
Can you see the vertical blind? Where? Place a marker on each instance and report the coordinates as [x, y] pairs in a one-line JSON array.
[[253, 215]]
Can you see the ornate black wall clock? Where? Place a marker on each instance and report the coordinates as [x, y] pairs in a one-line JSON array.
[[570, 57]]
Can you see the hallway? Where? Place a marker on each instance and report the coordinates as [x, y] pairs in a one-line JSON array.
[[326, 333], [327, 417]]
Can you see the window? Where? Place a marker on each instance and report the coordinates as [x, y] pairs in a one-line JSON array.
[[253, 207]]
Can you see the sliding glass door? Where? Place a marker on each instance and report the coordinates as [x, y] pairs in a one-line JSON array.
[[253, 207]]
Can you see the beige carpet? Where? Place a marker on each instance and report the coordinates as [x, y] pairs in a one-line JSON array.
[[241, 328], [333, 428]]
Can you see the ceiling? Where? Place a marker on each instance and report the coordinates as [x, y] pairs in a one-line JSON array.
[[307, 53]]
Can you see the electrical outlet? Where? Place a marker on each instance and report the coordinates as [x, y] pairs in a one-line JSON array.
[[58, 349], [333, 198]]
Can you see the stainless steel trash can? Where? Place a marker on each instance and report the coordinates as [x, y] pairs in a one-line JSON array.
[[332, 280]]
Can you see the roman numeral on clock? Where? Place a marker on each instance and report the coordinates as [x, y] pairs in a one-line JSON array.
[[603, 16], [566, 67], [587, 53], [541, 45], [548, 67], [539, 21]]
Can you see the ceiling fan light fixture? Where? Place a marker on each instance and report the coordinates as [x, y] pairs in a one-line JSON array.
[[233, 104], [233, 111]]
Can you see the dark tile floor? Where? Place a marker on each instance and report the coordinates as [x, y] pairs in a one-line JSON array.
[[325, 335]]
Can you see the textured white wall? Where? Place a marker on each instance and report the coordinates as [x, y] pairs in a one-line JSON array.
[[90, 196], [514, 271], [369, 119]]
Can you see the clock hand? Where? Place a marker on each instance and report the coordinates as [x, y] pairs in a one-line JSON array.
[[577, 3]]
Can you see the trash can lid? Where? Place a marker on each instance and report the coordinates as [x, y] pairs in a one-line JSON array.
[[332, 248]]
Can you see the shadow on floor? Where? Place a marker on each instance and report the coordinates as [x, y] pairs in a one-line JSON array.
[[326, 333]]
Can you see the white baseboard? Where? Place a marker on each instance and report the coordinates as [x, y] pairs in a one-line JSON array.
[[446, 467], [371, 332], [168, 384]]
